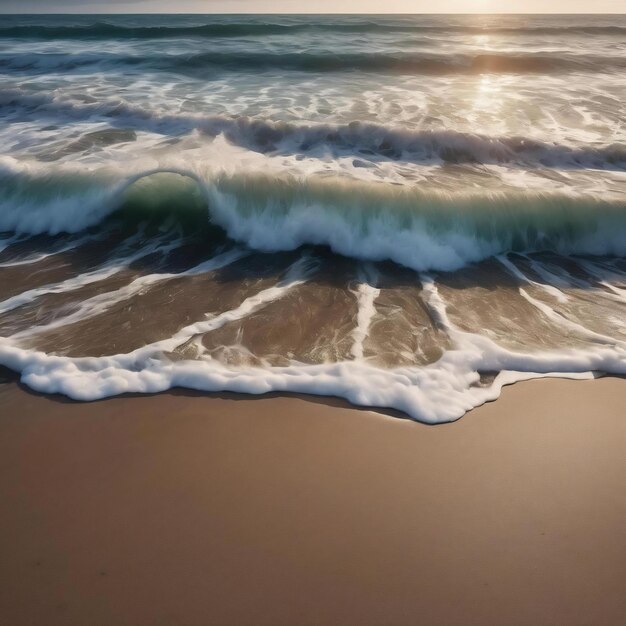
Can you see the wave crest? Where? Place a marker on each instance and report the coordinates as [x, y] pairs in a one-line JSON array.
[[105, 30], [374, 221]]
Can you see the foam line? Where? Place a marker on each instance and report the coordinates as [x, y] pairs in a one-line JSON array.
[[440, 392], [553, 315], [40, 256], [296, 275], [547, 287], [99, 304], [604, 277], [366, 294], [6, 242], [569, 325], [116, 265], [386, 142]]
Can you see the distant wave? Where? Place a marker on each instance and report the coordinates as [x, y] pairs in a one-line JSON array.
[[365, 221], [104, 30], [363, 139], [208, 62], [374, 221], [402, 63]]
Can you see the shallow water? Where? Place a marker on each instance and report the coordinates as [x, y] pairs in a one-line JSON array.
[[408, 212]]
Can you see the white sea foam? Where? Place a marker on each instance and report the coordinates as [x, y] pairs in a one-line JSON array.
[[366, 294], [37, 257], [548, 287], [5, 242], [439, 392], [101, 273], [436, 393], [606, 277], [352, 139], [554, 316], [99, 304]]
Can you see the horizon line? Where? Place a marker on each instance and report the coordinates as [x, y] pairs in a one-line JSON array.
[[345, 13]]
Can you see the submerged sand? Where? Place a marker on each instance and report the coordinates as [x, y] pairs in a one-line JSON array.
[[187, 509]]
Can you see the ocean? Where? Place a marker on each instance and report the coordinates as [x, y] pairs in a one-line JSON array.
[[407, 212]]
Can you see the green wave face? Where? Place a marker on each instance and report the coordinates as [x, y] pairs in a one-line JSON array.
[[365, 220]]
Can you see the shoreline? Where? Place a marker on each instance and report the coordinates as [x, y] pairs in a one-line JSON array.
[[193, 509]]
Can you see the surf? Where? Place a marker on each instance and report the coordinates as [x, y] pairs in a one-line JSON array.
[[359, 219], [210, 63]]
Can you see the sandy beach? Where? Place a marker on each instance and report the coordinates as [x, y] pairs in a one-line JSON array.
[[188, 509]]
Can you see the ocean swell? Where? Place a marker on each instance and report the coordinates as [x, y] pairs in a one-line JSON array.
[[105, 30], [208, 63]]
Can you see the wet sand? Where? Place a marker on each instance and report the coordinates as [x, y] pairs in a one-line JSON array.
[[186, 509]]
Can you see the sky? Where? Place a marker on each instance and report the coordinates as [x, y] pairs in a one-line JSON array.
[[315, 6]]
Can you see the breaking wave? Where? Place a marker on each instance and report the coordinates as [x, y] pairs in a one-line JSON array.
[[358, 138], [373, 221]]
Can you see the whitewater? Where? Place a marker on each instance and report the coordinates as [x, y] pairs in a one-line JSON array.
[[407, 212]]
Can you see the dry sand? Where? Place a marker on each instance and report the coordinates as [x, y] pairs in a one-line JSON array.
[[180, 509]]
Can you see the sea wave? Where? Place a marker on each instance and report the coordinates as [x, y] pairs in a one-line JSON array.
[[318, 62], [356, 138], [105, 30], [373, 221]]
